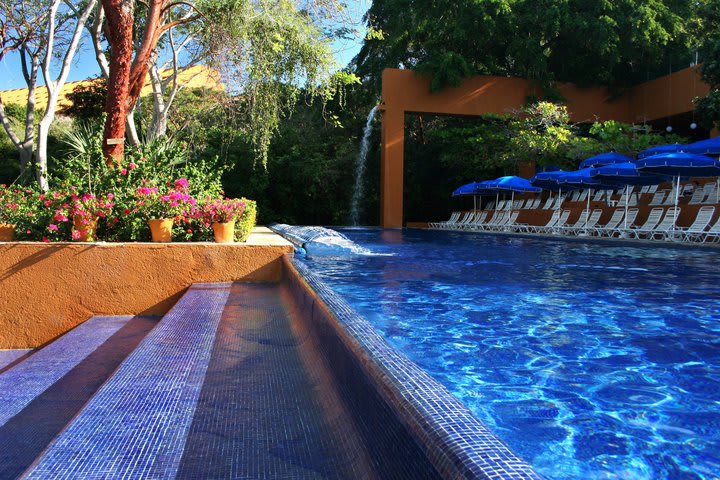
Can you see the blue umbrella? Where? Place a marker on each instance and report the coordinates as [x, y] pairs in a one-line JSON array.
[[510, 184], [515, 184], [680, 165], [548, 180], [467, 189], [626, 174], [583, 179], [710, 146], [668, 148], [604, 159], [472, 188]]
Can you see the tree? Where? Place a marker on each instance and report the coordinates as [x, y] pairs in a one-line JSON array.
[[264, 49], [615, 43], [22, 30], [42, 33], [708, 107]]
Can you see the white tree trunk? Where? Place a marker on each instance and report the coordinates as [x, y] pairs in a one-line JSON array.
[[42, 168], [55, 85]]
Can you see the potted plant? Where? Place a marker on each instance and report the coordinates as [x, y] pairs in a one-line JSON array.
[[161, 208], [11, 207], [221, 214], [86, 210]]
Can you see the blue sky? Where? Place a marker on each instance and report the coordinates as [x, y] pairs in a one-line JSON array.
[[85, 65]]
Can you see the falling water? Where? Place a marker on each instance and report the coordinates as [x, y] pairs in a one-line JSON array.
[[360, 169]]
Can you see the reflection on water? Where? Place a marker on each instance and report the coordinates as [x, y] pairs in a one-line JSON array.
[[591, 360]]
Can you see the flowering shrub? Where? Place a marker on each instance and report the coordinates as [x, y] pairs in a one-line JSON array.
[[154, 181], [221, 211], [153, 203], [13, 204]]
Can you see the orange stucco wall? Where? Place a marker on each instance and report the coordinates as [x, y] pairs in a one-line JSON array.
[[404, 91], [47, 289]]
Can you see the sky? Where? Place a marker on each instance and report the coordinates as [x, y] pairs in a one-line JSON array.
[[85, 65]]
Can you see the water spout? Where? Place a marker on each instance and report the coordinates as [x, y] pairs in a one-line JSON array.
[[360, 169]]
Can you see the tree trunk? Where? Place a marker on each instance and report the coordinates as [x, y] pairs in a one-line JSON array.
[[132, 135], [119, 14], [42, 167]]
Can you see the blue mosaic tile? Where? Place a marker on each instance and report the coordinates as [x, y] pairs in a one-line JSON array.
[[456, 442], [136, 425], [25, 381], [27, 434], [10, 358], [269, 407]]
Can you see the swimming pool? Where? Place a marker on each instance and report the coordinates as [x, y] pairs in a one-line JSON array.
[[592, 360]]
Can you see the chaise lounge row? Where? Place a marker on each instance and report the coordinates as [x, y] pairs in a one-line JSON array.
[[660, 224]]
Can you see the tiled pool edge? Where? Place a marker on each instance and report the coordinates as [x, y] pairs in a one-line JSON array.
[[456, 442]]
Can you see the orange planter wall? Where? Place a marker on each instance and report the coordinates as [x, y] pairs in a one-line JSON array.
[[47, 289]]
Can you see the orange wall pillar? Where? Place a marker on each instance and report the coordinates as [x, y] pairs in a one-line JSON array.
[[714, 133], [392, 153]]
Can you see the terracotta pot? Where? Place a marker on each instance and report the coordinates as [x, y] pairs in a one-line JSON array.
[[86, 226], [161, 229], [224, 232], [7, 232]]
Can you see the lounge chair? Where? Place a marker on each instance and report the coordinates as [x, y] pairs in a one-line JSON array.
[[711, 195], [564, 229], [586, 227], [536, 228], [696, 231], [510, 224], [453, 218], [501, 204], [666, 228], [652, 221], [658, 198], [615, 220], [490, 206], [561, 223], [698, 196], [713, 234], [497, 217], [479, 219]]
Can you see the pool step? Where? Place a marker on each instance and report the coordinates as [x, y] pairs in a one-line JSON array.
[[42, 393], [136, 424], [269, 407], [10, 358]]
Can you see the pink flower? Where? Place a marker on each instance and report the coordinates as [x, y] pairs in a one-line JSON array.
[[75, 235], [110, 196], [123, 171], [132, 166], [52, 227], [181, 183], [45, 239]]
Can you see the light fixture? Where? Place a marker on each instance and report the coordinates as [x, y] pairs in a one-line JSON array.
[[693, 126], [668, 128]]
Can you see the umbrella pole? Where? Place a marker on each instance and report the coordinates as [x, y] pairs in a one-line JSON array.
[[474, 202], [717, 191], [559, 197], [587, 210], [512, 201], [627, 192], [497, 200], [677, 198]]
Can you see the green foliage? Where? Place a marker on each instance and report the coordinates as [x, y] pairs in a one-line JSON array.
[[246, 223], [581, 41], [271, 51], [87, 100], [708, 107]]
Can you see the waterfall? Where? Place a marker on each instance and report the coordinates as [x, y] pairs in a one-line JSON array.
[[360, 169]]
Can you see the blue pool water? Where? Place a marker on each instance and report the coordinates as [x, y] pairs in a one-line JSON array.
[[591, 360]]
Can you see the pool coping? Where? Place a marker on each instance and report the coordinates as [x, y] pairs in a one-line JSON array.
[[456, 442]]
